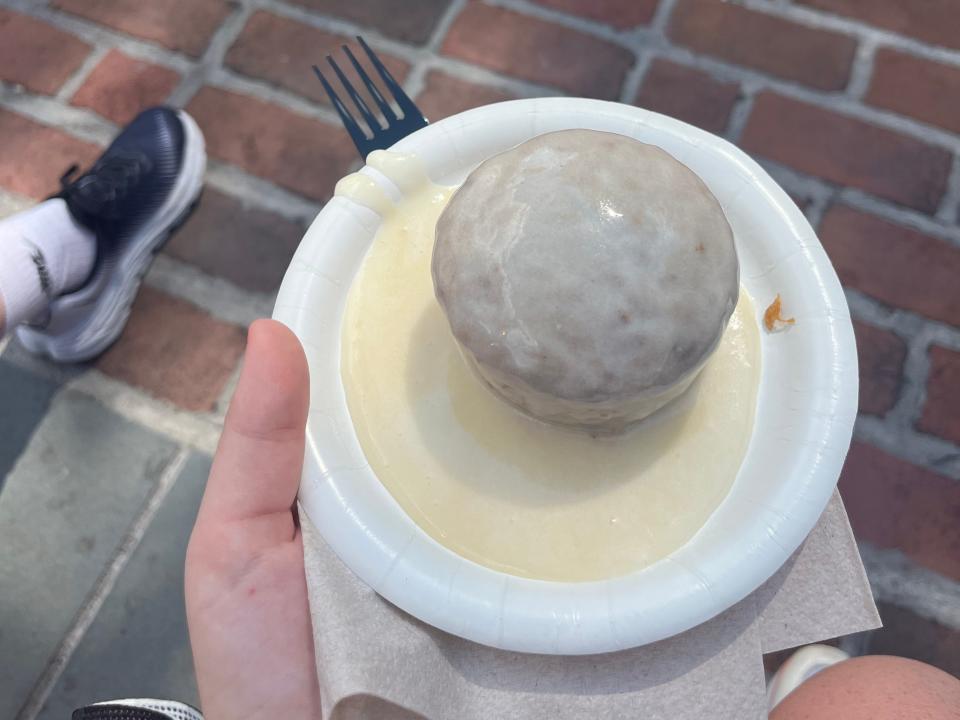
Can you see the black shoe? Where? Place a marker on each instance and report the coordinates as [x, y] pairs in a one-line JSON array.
[[142, 187]]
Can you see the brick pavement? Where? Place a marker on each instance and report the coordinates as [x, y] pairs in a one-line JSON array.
[[852, 105]]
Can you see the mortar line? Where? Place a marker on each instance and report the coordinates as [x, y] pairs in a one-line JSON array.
[[226, 34], [908, 405], [11, 202], [200, 431], [444, 24], [816, 209], [626, 38], [898, 580], [819, 193], [740, 113], [260, 193], [81, 123], [170, 59], [226, 395], [227, 79], [416, 81], [824, 20], [836, 103], [103, 36], [896, 432], [212, 58], [863, 201], [925, 451], [105, 584], [480, 75], [903, 322], [411, 53], [417, 78], [217, 296], [80, 75], [339, 26], [856, 644], [799, 181], [861, 72], [900, 215], [197, 430], [181, 64], [949, 210], [662, 16], [635, 76], [646, 54]]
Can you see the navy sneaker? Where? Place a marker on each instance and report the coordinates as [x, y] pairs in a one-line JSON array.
[[140, 190]]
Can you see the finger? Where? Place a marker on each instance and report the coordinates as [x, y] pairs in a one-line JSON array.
[[256, 471]]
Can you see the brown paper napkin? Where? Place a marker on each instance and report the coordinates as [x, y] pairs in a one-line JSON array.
[[375, 661]]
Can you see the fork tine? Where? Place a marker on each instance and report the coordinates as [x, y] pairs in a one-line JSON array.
[[374, 91], [356, 133], [358, 101], [403, 100]]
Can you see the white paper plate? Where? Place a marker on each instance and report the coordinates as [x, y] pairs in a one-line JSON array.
[[806, 408]]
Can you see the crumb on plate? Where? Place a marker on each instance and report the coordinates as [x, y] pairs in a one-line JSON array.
[[772, 317]]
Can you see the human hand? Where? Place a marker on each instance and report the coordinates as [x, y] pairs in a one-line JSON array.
[[245, 588]]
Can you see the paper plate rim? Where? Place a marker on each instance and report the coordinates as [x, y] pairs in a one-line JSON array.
[[806, 410]]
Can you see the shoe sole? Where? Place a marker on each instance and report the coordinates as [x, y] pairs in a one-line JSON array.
[[109, 312]]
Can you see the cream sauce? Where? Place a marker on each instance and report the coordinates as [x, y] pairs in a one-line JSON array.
[[364, 190], [496, 486]]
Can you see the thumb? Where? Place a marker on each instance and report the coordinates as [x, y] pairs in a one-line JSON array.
[[256, 471]]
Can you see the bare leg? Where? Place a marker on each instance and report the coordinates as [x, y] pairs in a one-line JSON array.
[[876, 687]]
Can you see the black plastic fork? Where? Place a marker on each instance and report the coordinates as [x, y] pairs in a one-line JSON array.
[[380, 138]]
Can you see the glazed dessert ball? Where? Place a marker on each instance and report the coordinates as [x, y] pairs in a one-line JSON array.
[[586, 276]]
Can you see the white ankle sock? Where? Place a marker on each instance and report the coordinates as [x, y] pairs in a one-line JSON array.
[[44, 253]]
